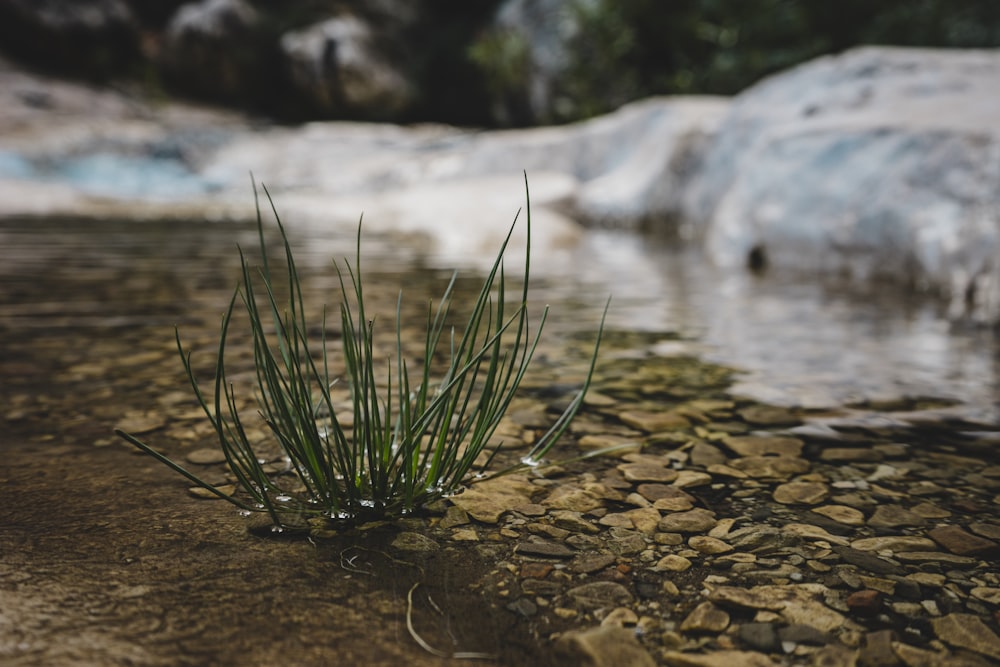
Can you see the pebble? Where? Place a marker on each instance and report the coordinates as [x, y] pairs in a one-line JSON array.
[[805, 493], [673, 563], [697, 520], [654, 422], [764, 446], [842, 514], [960, 542], [967, 631], [708, 545], [706, 617]]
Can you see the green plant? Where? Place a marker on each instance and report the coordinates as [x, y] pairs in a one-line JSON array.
[[415, 440]]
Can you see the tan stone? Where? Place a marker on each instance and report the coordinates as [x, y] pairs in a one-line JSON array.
[[571, 498], [709, 545], [687, 479], [727, 658], [645, 519], [752, 445], [672, 563], [654, 422], [647, 472], [770, 467], [894, 543], [842, 514], [604, 646], [487, 501], [987, 594], [969, 632], [801, 493], [693, 521], [809, 532], [706, 617]]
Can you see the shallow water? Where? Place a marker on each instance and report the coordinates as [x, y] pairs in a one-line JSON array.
[[106, 559]]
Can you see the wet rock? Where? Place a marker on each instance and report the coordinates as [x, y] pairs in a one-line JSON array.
[[877, 650], [621, 618], [673, 563], [645, 519], [206, 456], [799, 633], [945, 559], [544, 548], [776, 468], [810, 532], [572, 521], [723, 658], [664, 497], [415, 542], [706, 617], [842, 514], [801, 493], [588, 563], [708, 545], [850, 454], [893, 543], [604, 646], [967, 631], [988, 594], [523, 607], [626, 542], [693, 521], [867, 561], [597, 594], [960, 542], [769, 415], [689, 479], [865, 603], [764, 446], [647, 472], [704, 455], [840, 115], [984, 529], [573, 499], [760, 636], [654, 422], [489, 500], [894, 516]]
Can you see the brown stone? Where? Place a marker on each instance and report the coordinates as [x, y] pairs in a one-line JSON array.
[[654, 422], [693, 521], [776, 468], [751, 445], [894, 516], [604, 646], [647, 472], [706, 617], [801, 493], [851, 454], [969, 632], [877, 650], [769, 415], [958, 541], [864, 603]]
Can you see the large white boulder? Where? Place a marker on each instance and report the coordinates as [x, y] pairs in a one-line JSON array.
[[880, 163]]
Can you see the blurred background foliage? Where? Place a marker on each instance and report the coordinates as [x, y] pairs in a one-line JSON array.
[[629, 49], [477, 62]]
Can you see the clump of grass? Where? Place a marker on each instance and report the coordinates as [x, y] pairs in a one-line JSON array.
[[412, 439]]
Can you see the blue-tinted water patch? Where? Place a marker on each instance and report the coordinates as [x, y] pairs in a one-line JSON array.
[[112, 174]]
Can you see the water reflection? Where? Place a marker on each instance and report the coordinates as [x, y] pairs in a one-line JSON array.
[[800, 343]]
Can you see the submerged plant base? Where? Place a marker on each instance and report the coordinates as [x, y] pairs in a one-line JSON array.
[[415, 432]]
